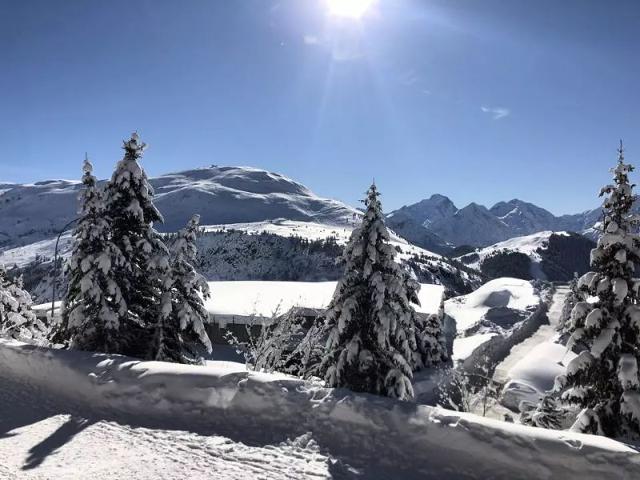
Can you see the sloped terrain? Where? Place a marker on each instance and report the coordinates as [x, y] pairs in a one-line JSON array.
[[33, 212], [257, 425], [553, 256]]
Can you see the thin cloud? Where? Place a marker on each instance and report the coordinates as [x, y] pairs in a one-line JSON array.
[[409, 78], [496, 112], [311, 40]]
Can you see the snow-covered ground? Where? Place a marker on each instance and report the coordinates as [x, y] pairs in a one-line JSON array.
[[528, 245], [316, 231], [45, 249], [532, 366], [63, 413], [257, 300], [491, 309]]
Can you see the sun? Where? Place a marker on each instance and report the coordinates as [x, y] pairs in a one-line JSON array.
[[349, 8]]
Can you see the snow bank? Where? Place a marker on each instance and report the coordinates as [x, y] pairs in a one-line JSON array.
[[412, 441], [535, 373], [511, 293]]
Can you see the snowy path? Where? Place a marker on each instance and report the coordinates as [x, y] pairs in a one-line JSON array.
[[39, 442], [543, 334]]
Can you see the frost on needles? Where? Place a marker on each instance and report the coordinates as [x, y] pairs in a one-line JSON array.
[[375, 338], [603, 378], [17, 320], [126, 295]]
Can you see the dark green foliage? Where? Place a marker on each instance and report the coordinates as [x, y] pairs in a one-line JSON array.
[[564, 255], [506, 263]]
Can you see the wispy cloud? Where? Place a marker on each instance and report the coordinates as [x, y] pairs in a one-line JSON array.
[[311, 40], [409, 77], [496, 112]]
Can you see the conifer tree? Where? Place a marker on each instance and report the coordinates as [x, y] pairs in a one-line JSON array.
[[573, 297], [17, 320], [603, 378], [181, 326], [141, 270], [546, 414], [374, 341], [93, 304]]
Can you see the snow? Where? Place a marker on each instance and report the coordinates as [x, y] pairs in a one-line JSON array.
[[511, 293], [464, 347], [243, 301], [220, 194], [22, 256], [527, 245], [532, 366], [316, 231], [65, 412]]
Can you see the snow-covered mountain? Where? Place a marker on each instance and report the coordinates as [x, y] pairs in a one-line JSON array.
[[436, 223], [543, 255], [37, 211]]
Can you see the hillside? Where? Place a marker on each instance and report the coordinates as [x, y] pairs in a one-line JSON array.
[[553, 256], [38, 211]]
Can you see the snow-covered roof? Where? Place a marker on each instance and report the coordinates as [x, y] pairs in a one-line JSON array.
[[262, 298]]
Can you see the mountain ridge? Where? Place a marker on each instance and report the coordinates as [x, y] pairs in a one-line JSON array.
[[479, 226]]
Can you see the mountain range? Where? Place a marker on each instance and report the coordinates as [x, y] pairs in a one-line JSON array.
[[226, 194], [438, 225]]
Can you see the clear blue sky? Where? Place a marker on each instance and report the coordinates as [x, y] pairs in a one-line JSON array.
[[479, 100]]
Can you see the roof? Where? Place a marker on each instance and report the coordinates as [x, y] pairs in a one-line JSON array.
[[267, 299]]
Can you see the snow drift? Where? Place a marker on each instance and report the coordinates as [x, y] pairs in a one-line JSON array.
[[380, 436]]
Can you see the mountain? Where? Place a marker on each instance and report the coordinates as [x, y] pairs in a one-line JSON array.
[[413, 222], [37, 211], [438, 225], [553, 256]]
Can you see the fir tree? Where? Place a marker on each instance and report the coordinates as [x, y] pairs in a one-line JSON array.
[[374, 339], [93, 304], [603, 378], [181, 326], [573, 297], [17, 320], [546, 414], [142, 268]]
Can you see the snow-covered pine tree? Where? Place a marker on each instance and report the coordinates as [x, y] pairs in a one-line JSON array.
[[573, 297], [17, 320], [603, 378], [546, 414], [93, 305], [182, 326], [373, 339], [141, 271]]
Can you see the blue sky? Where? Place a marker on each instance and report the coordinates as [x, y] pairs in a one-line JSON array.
[[479, 100]]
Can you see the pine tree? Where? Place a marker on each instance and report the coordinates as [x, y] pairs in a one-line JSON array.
[[17, 320], [374, 339], [93, 304], [182, 326], [546, 414], [603, 378], [573, 297], [141, 270]]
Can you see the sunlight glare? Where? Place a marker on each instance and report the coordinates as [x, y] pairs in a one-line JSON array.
[[349, 8]]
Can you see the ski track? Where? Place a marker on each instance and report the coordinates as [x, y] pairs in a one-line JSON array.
[[38, 442], [543, 334]]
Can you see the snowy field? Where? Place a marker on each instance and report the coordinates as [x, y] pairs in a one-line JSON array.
[[115, 417], [489, 310]]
